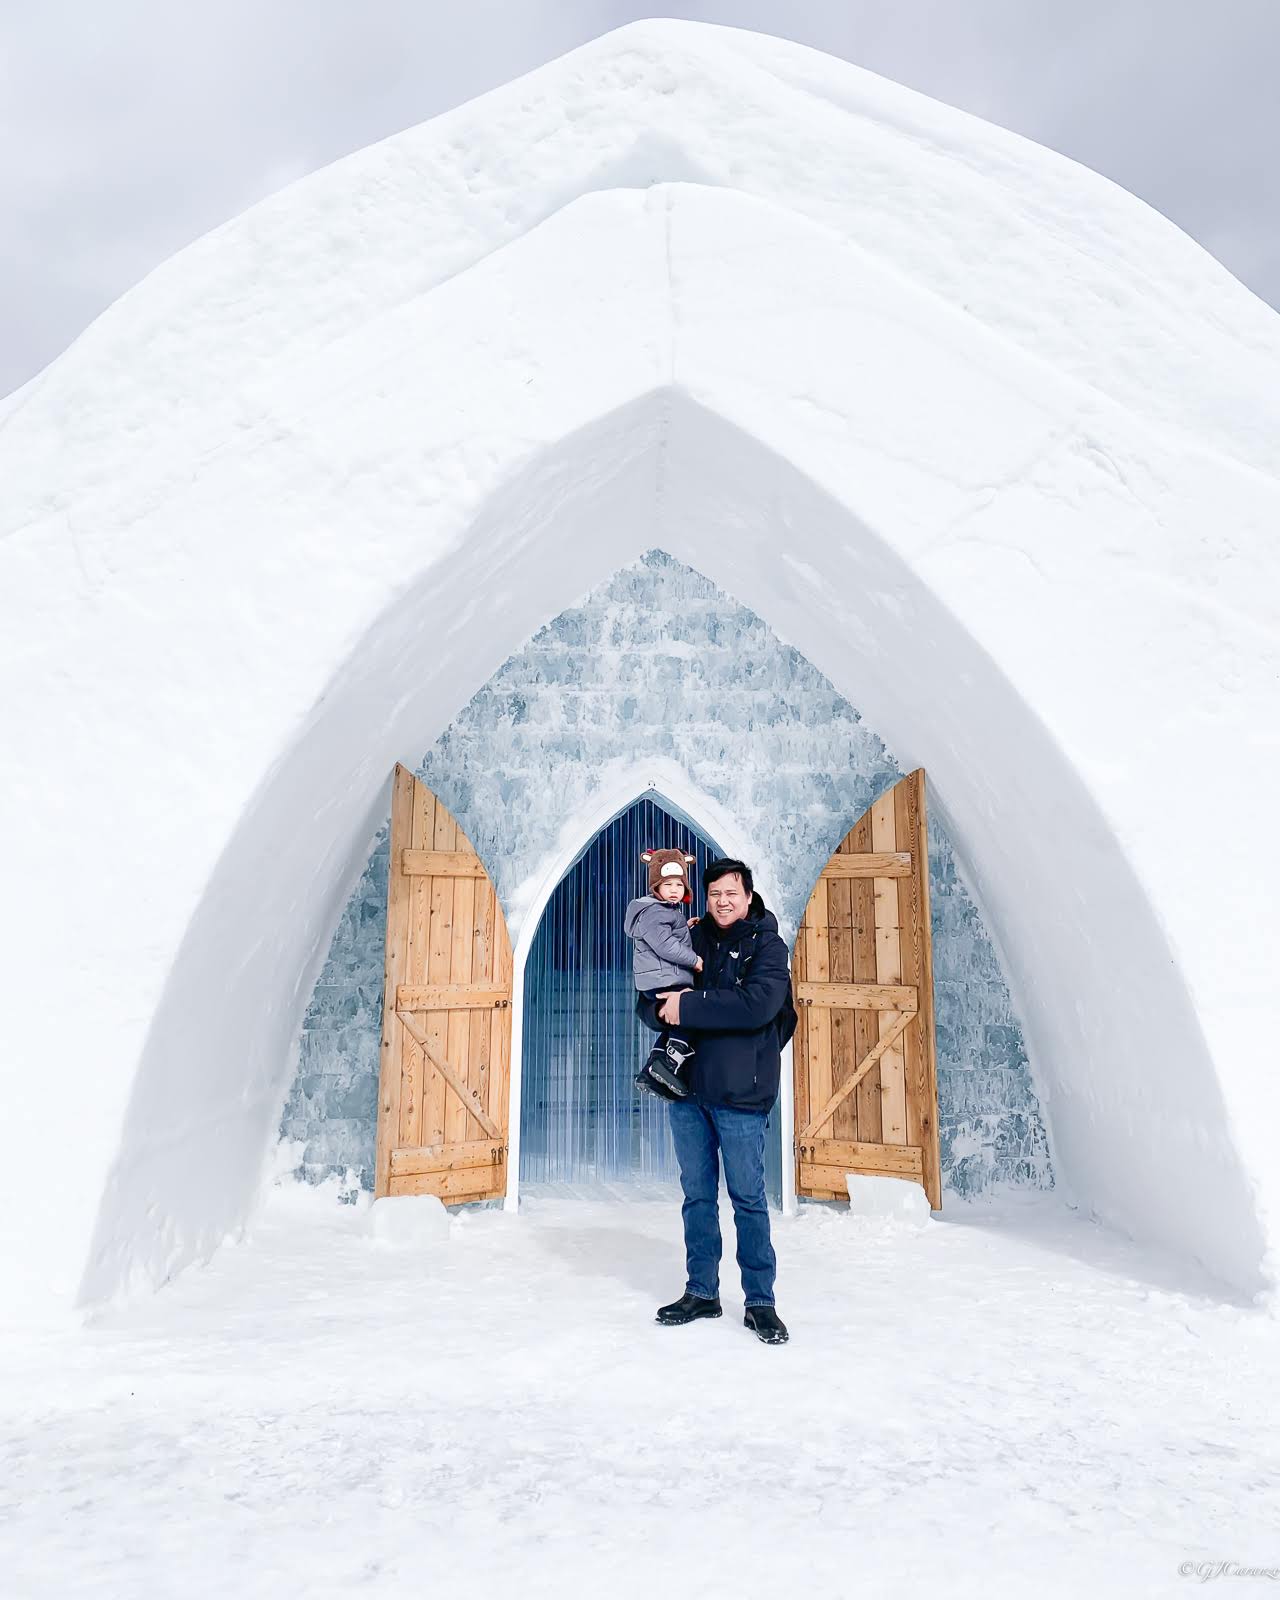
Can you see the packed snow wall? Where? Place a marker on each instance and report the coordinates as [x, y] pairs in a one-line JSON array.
[[990, 441], [660, 665]]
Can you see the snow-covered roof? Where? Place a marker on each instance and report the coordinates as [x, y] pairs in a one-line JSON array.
[[1062, 263]]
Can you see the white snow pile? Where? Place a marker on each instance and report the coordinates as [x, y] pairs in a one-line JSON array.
[[408, 1221], [872, 1196]]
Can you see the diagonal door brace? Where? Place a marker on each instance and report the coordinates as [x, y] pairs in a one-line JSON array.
[[850, 1084], [451, 1075]]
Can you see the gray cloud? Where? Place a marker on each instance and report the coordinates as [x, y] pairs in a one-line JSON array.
[[128, 130]]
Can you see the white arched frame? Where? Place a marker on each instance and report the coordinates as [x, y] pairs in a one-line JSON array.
[[621, 786]]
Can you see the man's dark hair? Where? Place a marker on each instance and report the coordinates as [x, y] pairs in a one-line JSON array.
[[722, 867]]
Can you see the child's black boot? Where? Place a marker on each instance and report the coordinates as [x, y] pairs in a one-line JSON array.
[[667, 1065]]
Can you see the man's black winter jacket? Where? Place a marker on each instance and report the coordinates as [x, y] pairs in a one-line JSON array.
[[741, 1014]]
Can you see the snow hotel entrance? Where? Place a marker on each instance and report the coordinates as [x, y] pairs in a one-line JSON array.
[[532, 493], [864, 1084], [472, 1030]]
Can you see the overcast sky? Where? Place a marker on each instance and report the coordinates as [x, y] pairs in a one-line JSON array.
[[130, 127]]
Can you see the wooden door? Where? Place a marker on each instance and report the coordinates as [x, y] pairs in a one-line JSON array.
[[446, 1014], [865, 1064]]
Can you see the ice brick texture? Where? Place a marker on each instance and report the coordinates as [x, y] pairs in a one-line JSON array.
[[660, 662]]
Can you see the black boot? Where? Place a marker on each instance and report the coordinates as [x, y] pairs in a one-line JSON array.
[[688, 1308], [648, 1084], [664, 1064], [766, 1324]]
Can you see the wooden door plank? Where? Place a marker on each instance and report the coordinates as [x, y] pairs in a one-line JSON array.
[[893, 1111], [500, 1023], [468, 1183], [866, 1031], [413, 1077], [443, 836], [868, 864], [799, 1040], [479, 1028], [453, 996], [853, 1154], [415, 1073], [817, 953], [458, 1049], [893, 1088], [448, 1157], [442, 863], [819, 1177], [395, 970], [857, 996], [479, 1022], [911, 935], [482, 934], [844, 1057], [920, 1040]]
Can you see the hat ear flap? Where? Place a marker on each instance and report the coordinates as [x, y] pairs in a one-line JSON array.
[[691, 859], [646, 856]]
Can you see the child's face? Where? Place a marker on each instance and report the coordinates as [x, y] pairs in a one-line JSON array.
[[671, 890]]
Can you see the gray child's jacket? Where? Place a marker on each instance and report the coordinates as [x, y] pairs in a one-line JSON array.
[[662, 956]]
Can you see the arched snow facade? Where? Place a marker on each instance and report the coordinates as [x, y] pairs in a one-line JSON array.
[[989, 441]]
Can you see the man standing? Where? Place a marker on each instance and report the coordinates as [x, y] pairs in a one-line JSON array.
[[739, 1018]]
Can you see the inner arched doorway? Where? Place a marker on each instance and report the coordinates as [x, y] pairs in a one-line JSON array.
[[582, 1121]]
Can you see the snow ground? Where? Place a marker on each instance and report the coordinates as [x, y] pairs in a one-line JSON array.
[[1006, 1397]]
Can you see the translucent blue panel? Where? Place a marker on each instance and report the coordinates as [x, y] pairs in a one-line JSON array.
[[581, 1117]]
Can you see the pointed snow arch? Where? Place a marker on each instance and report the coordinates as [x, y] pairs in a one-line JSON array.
[[1093, 1077], [672, 788], [957, 535]]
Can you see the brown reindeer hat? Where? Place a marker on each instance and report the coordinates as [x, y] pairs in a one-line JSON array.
[[668, 864]]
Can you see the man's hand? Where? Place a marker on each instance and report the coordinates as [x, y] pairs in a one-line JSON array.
[[697, 966], [669, 1010], [694, 921]]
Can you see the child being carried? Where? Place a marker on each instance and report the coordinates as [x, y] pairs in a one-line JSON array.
[[662, 959]]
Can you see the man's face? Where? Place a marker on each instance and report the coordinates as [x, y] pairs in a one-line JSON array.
[[727, 900]]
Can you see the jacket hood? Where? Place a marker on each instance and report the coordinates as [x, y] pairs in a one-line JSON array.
[[765, 918], [635, 908]]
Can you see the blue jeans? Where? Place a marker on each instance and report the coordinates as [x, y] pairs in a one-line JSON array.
[[698, 1132]]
